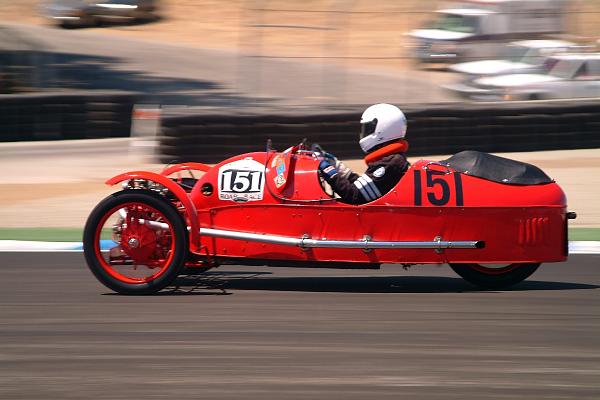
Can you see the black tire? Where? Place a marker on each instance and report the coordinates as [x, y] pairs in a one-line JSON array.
[[515, 273], [180, 239]]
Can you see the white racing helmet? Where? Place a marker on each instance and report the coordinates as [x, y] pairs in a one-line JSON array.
[[381, 123]]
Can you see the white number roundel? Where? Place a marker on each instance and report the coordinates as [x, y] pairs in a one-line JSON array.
[[241, 181]]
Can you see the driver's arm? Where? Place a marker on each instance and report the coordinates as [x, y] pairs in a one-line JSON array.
[[351, 187], [346, 172]]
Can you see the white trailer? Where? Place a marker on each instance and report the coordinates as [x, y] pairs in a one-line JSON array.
[[478, 29]]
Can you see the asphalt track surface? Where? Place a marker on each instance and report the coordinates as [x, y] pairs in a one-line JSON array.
[[256, 333]]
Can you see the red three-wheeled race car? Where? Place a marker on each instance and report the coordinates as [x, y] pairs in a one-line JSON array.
[[493, 220]]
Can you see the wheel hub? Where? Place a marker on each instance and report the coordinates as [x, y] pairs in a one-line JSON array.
[[138, 241], [133, 243]]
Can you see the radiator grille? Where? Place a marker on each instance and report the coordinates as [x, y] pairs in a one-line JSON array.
[[533, 231]]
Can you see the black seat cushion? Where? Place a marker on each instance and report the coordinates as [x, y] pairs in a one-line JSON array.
[[497, 169]]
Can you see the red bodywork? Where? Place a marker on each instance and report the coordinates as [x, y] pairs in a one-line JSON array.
[[280, 194]]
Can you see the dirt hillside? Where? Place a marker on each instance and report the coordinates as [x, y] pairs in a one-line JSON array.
[[359, 31]]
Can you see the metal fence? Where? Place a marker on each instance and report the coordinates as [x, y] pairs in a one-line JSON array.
[[338, 39], [359, 35]]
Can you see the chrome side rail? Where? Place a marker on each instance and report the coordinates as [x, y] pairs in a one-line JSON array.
[[365, 244]]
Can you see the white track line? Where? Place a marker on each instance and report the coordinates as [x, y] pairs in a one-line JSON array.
[[31, 246], [22, 246], [591, 247]]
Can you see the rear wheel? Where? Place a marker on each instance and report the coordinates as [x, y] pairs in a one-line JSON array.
[[135, 242], [493, 276]]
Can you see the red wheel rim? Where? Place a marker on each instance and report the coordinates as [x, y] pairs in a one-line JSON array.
[[141, 252], [493, 270]]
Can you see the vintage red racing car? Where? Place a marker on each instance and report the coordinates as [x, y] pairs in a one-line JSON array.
[[493, 220]]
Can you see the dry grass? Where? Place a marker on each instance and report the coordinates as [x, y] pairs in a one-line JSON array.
[[361, 31]]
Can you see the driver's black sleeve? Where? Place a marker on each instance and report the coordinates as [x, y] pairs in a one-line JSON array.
[[381, 176]]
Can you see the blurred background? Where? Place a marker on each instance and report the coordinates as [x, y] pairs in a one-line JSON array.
[[381, 35], [88, 89]]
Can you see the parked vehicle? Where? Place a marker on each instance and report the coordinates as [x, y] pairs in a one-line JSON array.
[[494, 220], [517, 57], [478, 29], [567, 76], [526, 56], [83, 13]]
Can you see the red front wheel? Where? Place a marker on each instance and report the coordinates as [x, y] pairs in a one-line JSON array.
[[135, 242], [492, 276]]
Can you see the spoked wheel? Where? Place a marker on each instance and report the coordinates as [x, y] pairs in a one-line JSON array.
[[135, 242], [494, 276]]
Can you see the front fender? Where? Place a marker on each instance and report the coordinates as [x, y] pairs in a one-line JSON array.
[[178, 192], [190, 166]]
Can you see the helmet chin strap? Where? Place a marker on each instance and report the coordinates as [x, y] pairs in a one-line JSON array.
[[401, 146]]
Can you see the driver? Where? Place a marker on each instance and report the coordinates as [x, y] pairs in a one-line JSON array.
[[383, 127]]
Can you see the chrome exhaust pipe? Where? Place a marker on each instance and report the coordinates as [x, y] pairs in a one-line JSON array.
[[157, 226], [365, 244]]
